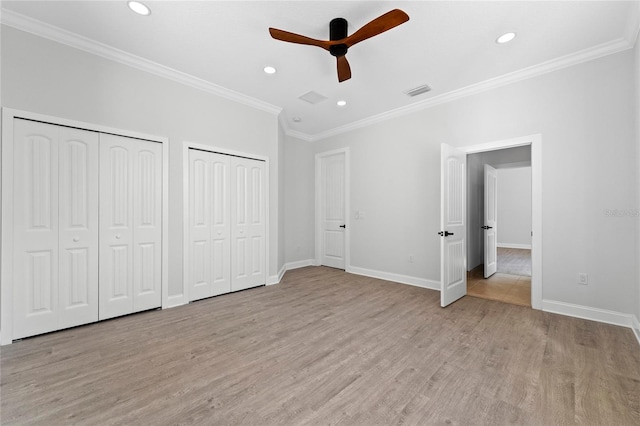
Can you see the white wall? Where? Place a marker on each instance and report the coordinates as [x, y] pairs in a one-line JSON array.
[[514, 207], [42, 76], [299, 190], [585, 115]]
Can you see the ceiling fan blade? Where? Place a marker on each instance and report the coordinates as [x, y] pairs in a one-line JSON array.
[[297, 38], [379, 25], [344, 70]]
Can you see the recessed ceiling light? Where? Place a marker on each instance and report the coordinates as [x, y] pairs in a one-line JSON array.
[[341, 103], [270, 70], [297, 119], [139, 8], [505, 38]]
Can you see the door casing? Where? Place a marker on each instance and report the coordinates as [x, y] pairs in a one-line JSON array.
[[535, 141]]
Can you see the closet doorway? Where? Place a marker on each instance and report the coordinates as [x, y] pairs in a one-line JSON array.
[[226, 223], [84, 226]]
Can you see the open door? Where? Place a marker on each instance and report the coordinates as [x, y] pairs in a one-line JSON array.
[[453, 251], [490, 220]]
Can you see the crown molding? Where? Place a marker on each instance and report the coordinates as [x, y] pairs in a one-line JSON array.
[[60, 35], [572, 59]]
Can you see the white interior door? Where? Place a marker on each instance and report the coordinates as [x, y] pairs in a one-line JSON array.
[[490, 220], [35, 212], [248, 231], [209, 225], [78, 231], [332, 210], [130, 225], [453, 270]]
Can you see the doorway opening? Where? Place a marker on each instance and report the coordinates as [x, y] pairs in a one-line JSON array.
[[499, 200]]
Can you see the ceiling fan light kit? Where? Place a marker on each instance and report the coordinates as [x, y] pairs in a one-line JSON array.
[[339, 41]]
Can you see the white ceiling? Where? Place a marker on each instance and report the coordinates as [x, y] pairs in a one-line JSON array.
[[449, 45]]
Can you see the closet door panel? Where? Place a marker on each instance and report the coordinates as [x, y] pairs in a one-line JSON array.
[[220, 225], [199, 268], [248, 232], [116, 228], [35, 210], [78, 221], [147, 225]]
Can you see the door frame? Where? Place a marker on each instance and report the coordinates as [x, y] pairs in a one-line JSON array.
[[347, 205], [183, 298], [6, 226], [535, 141]]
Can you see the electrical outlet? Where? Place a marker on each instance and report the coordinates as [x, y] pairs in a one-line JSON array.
[[583, 278]]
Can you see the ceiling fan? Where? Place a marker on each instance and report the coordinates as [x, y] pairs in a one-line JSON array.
[[339, 42]]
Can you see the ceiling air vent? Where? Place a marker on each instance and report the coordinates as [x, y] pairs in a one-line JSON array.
[[418, 90], [313, 97]]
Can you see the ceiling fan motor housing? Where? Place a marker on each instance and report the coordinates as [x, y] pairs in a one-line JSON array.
[[337, 31]]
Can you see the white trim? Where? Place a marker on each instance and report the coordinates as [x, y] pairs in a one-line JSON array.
[[347, 205], [536, 203], [42, 29], [173, 301], [398, 278], [186, 146], [588, 313], [300, 264], [6, 263], [275, 279], [515, 246], [591, 53]]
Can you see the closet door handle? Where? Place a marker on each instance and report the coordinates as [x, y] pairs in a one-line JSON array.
[[118, 236], [76, 239], [487, 227]]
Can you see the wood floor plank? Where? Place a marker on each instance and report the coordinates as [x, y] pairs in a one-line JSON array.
[[326, 347]]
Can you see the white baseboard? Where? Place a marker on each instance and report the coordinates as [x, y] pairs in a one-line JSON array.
[[402, 279], [299, 264], [173, 301], [588, 313], [636, 327], [275, 279], [514, 246]]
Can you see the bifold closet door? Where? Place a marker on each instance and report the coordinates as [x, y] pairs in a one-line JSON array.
[[248, 230], [55, 212], [209, 225], [130, 225]]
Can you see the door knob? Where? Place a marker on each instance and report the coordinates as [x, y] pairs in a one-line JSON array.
[[487, 227], [76, 239], [118, 236], [445, 233], [343, 226]]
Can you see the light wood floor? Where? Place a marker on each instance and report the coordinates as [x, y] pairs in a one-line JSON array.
[[510, 284], [505, 288], [326, 347]]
